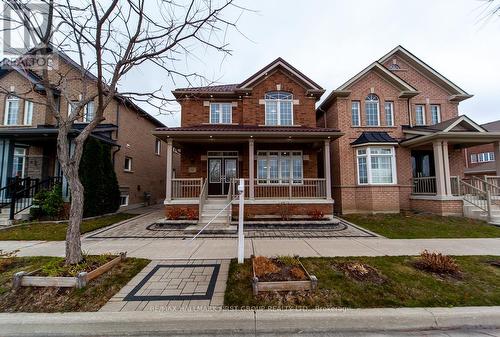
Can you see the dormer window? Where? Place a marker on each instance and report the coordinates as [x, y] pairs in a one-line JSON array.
[[221, 113], [279, 108]]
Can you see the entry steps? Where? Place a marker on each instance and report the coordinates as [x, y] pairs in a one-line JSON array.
[[220, 224]]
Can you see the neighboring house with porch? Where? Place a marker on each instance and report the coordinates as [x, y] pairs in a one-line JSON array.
[[263, 130], [404, 141], [481, 160], [28, 135]]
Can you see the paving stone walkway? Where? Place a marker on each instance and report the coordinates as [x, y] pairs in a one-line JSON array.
[[168, 285], [149, 226]]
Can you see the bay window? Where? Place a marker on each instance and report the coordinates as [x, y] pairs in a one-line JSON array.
[[372, 110], [221, 113], [11, 110], [279, 167], [376, 165], [278, 108]]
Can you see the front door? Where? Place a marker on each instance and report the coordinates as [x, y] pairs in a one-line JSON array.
[[220, 172]]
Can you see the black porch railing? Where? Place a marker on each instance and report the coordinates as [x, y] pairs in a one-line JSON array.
[[19, 193]]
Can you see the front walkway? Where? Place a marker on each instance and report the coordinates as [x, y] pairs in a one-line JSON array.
[[174, 285]]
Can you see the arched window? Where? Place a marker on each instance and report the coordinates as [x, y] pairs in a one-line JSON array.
[[279, 108], [372, 110], [11, 110]]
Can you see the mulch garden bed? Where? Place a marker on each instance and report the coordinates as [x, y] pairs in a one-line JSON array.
[[278, 269]]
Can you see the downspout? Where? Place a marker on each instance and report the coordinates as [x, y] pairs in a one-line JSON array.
[[324, 114], [409, 114]]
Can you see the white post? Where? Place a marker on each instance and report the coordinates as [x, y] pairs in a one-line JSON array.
[[446, 167], [328, 172], [251, 164], [169, 170], [439, 168], [241, 238]]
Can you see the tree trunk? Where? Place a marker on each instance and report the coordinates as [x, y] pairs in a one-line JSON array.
[[73, 242]]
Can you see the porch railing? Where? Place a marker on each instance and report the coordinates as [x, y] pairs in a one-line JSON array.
[[186, 188], [424, 185], [307, 188]]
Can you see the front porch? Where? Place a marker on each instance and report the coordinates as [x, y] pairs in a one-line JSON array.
[[283, 171]]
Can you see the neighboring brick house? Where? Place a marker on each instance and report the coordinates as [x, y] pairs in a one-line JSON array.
[[263, 130], [480, 160], [403, 143], [28, 134]]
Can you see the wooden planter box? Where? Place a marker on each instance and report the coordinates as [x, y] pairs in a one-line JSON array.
[[23, 279], [257, 286]]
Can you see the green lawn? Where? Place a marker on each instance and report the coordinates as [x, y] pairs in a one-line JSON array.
[[91, 298], [57, 231], [404, 285], [423, 226]]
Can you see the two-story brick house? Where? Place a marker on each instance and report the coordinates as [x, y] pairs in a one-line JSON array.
[[28, 133], [404, 141], [263, 130]]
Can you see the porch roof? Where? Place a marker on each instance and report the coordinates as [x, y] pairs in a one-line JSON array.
[[374, 138], [231, 131]]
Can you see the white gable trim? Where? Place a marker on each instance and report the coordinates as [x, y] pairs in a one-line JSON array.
[[467, 120], [423, 65], [257, 77]]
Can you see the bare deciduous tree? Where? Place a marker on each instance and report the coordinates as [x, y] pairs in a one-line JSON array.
[[112, 39]]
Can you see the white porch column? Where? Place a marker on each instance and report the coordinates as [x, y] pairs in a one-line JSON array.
[[251, 165], [169, 170], [446, 164], [328, 173], [496, 147], [439, 168]]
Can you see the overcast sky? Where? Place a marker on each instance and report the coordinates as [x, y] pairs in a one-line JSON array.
[[330, 41]]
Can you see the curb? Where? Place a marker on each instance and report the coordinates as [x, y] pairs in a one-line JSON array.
[[249, 321]]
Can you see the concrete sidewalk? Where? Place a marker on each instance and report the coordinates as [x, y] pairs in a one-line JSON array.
[[227, 248], [248, 322]]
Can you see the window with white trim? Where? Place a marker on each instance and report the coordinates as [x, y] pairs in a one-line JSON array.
[[71, 106], [473, 158], [128, 164], [124, 200], [11, 110], [356, 120], [157, 147], [279, 108], [89, 112], [279, 167], [376, 165], [221, 113], [372, 110], [485, 157], [28, 112], [419, 114], [389, 113], [435, 114]]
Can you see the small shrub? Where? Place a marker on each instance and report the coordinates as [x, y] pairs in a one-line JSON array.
[[191, 214], [437, 263], [264, 266], [53, 204], [7, 258], [284, 211], [317, 214], [298, 273], [174, 214]]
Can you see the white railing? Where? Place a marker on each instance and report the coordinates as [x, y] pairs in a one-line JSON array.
[[494, 183], [306, 188], [424, 185], [186, 188], [476, 196]]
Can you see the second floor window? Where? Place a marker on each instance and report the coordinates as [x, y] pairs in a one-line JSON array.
[[372, 110], [435, 114], [279, 108], [419, 115], [128, 164], [220, 113], [89, 112], [11, 110], [28, 112], [355, 113], [482, 157], [157, 147], [389, 113]]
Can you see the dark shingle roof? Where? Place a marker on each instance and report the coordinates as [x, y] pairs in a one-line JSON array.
[[374, 137], [229, 88], [492, 126], [249, 128]]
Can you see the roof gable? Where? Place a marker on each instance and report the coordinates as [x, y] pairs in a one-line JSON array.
[[457, 93], [280, 63]]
